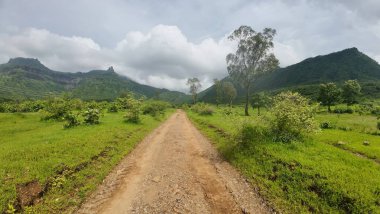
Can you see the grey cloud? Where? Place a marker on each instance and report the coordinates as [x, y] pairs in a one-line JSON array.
[[164, 42]]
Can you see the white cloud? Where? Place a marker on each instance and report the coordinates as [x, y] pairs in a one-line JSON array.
[[162, 57]]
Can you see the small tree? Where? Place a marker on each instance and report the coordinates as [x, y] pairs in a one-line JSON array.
[[253, 57], [293, 117], [329, 94], [133, 113], [194, 85], [259, 100], [229, 91], [351, 92], [219, 91]]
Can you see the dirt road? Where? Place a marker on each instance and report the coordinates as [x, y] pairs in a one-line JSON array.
[[174, 170]]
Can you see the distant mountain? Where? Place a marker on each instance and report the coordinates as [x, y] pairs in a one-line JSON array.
[[305, 76], [24, 78]]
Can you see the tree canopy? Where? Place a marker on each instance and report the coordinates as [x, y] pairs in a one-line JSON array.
[[253, 57]]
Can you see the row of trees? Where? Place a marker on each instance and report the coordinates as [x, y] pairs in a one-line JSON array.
[[330, 93]]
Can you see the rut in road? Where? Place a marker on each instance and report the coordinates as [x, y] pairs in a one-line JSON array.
[[174, 170]]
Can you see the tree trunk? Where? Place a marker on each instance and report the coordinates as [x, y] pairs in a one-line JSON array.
[[329, 108], [195, 98], [258, 110], [230, 102], [246, 102]]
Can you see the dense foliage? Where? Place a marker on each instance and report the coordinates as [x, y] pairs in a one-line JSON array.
[[72, 120], [133, 113], [260, 100], [253, 58], [293, 117], [329, 94], [91, 116], [351, 92]]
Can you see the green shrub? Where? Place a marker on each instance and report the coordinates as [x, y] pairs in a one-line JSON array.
[[343, 110], [93, 105], [248, 132], [55, 109], [326, 125], [112, 108], [91, 116], [227, 111], [345, 128], [293, 117], [72, 120], [376, 110], [133, 113], [30, 106], [154, 108], [202, 109], [2, 107], [125, 103]]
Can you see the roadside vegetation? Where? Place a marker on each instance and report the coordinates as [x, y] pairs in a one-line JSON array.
[[56, 151], [302, 158]]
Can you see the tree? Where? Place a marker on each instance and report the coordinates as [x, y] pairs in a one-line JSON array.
[[329, 94], [259, 100], [194, 85], [253, 57], [229, 91], [351, 92], [219, 91]]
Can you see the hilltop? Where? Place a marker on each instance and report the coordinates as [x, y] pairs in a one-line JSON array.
[[26, 78], [306, 75]]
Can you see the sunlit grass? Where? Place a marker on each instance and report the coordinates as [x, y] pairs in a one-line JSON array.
[[32, 149], [310, 176]]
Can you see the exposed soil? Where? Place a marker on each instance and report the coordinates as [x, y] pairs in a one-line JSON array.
[[28, 193], [174, 170]]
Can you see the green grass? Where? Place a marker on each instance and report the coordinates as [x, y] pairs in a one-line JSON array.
[[352, 141], [74, 160], [354, 122], [302, 177]]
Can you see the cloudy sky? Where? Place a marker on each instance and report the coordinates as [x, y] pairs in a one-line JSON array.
[[162, 43]]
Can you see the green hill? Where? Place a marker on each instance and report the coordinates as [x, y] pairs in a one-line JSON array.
[[23, 78], [305, 76]]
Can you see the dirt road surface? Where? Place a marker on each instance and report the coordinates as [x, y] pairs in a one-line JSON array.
[[174, 170]]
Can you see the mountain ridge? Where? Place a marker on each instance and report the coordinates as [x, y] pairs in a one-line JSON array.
[[27, 78], [306, 75]]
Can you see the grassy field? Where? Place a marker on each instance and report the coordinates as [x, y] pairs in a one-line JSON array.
[[312, 176], [67, 164]]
